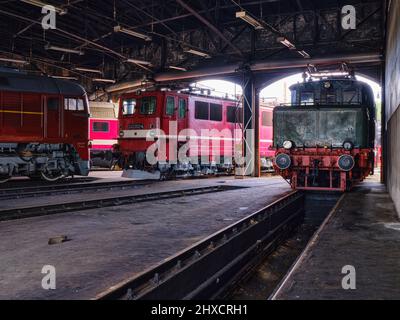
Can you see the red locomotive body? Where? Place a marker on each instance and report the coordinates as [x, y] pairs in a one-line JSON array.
[[43, 127], [325, 139], [204, 127]]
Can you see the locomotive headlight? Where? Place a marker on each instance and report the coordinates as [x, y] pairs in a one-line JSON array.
[[121, 133], [288, 145], [327, 85], [346, 163], [152, 133], [348, 145], [283, 161]]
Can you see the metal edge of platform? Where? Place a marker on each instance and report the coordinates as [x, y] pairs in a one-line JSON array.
[[19, 213], [311, 244]]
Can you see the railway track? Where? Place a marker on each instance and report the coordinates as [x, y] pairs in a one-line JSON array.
[[42, 210], [210, 268], [35, 191]]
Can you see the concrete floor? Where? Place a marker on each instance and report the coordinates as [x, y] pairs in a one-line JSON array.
[[364, 232], [111, 244]]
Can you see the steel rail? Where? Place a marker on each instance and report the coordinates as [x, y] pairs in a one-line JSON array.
[[208, 269], [28, 212], [26, 192]]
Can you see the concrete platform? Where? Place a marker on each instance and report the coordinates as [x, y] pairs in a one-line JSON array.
[[363, 232], [109, 245]]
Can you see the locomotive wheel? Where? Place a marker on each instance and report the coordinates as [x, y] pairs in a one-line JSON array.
[[51, 177], [4, 179]]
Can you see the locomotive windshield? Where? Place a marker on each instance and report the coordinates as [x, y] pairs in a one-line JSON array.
[[129, 106], [146, 105]]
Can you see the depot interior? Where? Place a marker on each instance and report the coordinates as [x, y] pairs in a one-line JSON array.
[[116, 47]]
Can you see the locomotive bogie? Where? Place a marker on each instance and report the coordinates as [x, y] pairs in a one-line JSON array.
[[51, 161]]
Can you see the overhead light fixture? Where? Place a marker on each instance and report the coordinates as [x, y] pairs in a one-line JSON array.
[[18, 61], [65, 78], [304, 54], [137, 61], [133, 33], [177, 68], [88, 70], [67, 50], [41, 4], [329, 74], [249, 19], [198, 53], [286, 43], [104, 80]]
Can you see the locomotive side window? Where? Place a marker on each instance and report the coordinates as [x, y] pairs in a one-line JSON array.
[[52, 104], [81, 106], [201, 110], [233, 114], [129, 106], [266, 119], [215, 112], [148, 105], [72, 104], [101, 127], [307, 98], [170, 106], [182, 108], [4, 81]]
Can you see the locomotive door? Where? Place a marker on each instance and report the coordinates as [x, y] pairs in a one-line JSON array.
[[176, 112], [52, 116], [182, 114]]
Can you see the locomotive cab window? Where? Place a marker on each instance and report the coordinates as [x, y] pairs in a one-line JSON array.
[[233, 114], [53, 104], [201, 110], [101, 126], [80, 104], [266, 119], [215, 112], [182, 108], [129, 107], [72, 104], [148, 105], [307, 97], [170, 106]]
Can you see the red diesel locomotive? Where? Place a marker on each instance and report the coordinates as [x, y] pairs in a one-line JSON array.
[[43, 127], [325, 139], [209, 123]]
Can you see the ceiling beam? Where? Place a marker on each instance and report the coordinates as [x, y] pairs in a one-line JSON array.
[[209, 25]]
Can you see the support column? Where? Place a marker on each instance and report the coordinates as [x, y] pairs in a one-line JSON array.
[[251, 126]]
